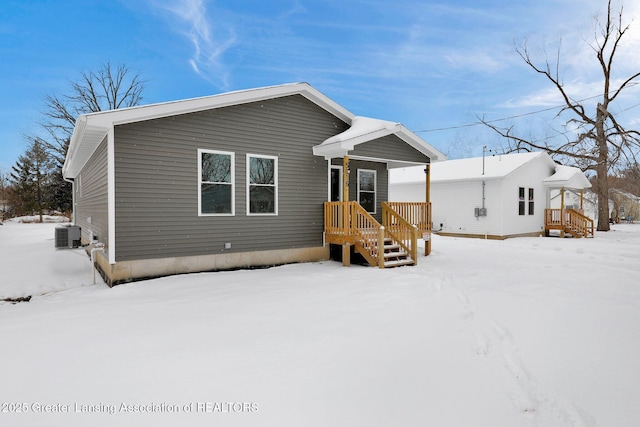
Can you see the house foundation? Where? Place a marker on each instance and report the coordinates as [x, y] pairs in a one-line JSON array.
[[129, 271]]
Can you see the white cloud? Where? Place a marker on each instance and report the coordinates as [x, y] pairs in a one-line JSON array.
[[476, 59], [210, 38]]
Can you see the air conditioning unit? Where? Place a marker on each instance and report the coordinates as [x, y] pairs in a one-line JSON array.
[[67, 237]]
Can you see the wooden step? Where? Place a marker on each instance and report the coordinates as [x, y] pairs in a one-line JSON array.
[[398, 254], [398, 263]]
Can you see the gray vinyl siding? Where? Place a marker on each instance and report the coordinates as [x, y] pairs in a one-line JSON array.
[[389, 147], [156, 168], [91, 186]]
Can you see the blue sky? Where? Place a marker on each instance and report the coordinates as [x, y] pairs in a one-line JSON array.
[[427, 64]]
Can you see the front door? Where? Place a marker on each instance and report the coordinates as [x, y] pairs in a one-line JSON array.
[[336, 183]]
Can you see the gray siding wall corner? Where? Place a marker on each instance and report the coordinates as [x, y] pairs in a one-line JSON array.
[[91, 193], [156, 179]]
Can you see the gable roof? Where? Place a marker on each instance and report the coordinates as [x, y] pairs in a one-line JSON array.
[[495, 167], [568, 177], [91, 129], [365, 129]]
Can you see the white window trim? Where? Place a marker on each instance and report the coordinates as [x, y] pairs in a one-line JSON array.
[[375, 188], [275, 184], [233, 182]]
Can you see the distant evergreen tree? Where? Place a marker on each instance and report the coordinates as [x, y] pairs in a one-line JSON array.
[[31, 178], [59, 190], [4, 194]]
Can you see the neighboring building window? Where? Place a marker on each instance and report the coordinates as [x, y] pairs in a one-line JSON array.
[[521, 202], [262, 184], [367, 189], [216, 176], [531, 201]]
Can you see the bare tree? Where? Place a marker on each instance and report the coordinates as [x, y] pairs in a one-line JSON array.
[[109, 88], [599, 142]]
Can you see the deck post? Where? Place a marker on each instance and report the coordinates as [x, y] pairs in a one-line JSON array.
[[381, 247], [346, 217], [427, 174], [562, 218], [346, 255]]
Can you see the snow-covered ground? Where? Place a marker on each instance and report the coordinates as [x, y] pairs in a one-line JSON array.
[[522, 332]]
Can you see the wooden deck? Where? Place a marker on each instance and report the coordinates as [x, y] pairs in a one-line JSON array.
[[571, 222], [390, 244]]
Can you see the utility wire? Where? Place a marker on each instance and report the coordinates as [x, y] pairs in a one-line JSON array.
[[516, 116]]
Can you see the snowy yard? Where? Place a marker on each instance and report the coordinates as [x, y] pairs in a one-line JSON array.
[[522, 332]]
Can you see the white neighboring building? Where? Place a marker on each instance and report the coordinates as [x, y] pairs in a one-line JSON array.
[[492, 197]]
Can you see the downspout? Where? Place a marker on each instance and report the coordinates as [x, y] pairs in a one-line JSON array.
[[73, 197], [484, 149], [483, 197]]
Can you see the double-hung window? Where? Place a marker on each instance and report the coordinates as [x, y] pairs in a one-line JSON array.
[[262, 185], [216, 176], [367, 189], [521, 202], [531, 201]]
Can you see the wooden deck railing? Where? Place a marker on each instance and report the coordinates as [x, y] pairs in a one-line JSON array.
[[369, 235], [335, 225], [402, 222], [570, 221], [403, 228], [416, 213]]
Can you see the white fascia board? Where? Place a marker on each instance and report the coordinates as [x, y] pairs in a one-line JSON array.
[[339, 147], [72, 152], [391, 163], [364, 129], [185, 106]]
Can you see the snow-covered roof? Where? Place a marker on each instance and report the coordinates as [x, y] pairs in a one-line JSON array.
[[91, 129], [495, 167], [568, 177], [364, 129]]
